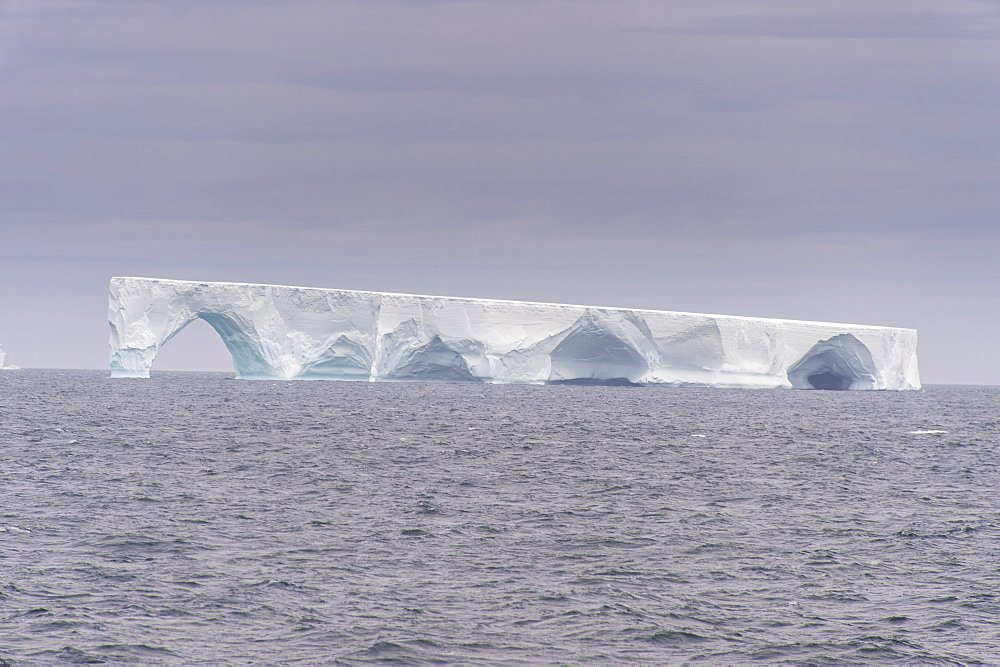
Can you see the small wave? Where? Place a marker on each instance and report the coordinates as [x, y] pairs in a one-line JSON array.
[[707, 548], [677, 638], [119, 653], [406, 652], [130, 652], [929, 432], [279, 583], [37, 611], [71, 654], [636, 543], [884, 648], [382, 649]]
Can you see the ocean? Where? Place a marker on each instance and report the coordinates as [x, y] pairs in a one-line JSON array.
[[194, 518]]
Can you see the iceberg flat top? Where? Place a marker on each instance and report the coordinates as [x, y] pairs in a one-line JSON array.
[[540, 304]]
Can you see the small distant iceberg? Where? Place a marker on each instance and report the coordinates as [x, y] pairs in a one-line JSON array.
[[2, 366]]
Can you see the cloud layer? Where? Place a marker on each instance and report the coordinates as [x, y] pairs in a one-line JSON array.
[[814, 160]]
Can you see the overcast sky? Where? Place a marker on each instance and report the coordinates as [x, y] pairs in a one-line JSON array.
[[835, 161]]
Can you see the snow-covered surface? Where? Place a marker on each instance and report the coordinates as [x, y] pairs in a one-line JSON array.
[[278, 332]]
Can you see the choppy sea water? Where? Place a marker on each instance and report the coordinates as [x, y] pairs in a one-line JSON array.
[[195, 518]]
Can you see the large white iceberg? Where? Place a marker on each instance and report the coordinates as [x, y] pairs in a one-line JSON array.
[[277, 332]]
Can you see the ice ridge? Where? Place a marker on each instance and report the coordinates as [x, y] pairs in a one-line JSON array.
[[281, 332]]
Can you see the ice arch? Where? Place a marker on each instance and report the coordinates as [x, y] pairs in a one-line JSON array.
[[253, 355], [275, 333], [838, 363], [591, 353], [197, 347]]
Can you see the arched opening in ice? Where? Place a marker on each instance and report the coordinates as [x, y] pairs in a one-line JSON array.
[[194, 347], [839, 363], [248, 357], [256, 356], [592, 354], [433, 362], [282, 332]]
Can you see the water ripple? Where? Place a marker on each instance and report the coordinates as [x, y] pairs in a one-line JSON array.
[[196, 519]]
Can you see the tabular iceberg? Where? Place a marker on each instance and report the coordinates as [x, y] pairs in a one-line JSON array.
[[278, 332]]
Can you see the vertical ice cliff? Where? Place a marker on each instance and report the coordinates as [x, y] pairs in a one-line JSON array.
[[278, 332]]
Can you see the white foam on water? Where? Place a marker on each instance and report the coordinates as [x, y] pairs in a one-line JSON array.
[[13, 529]]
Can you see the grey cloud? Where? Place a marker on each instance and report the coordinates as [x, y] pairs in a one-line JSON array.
[[723, 154]]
